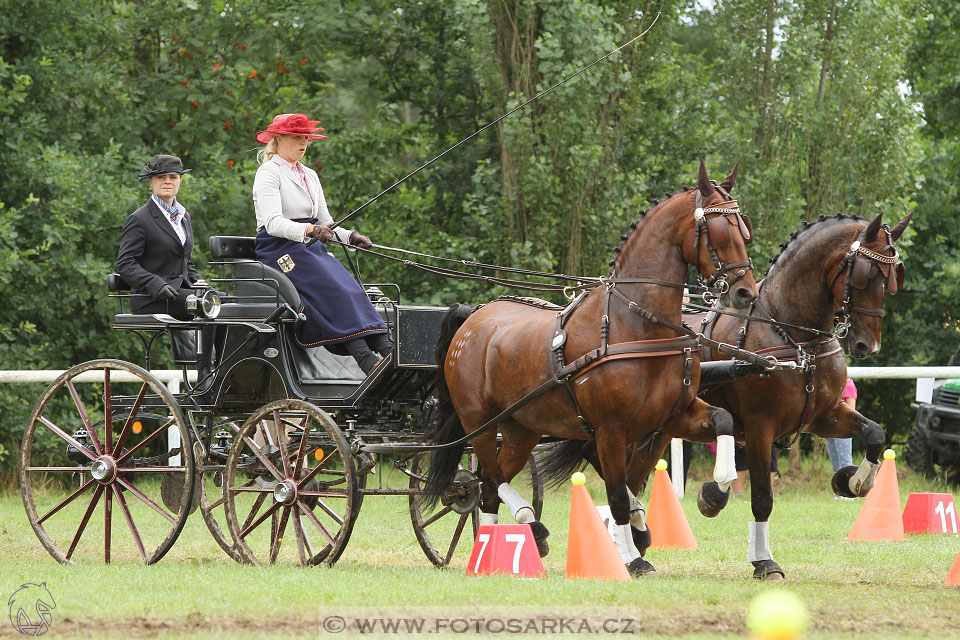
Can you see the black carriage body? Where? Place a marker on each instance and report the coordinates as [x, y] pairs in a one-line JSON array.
[[257, 362]]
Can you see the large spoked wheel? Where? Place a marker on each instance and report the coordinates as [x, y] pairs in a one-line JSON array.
[[98, 436], [453, 522], [210, 482], [290, 467]]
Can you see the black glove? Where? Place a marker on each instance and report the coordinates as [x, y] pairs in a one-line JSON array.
[[357, 239], [321, 232], [167, 293]]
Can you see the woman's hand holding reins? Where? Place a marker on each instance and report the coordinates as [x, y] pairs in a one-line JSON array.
[[357, 239], [321, 232]]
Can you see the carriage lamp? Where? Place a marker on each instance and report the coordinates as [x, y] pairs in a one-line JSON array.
[[206, 305], [74, 454]]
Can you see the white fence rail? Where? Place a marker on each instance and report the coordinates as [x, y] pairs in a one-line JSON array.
[[172, 378]]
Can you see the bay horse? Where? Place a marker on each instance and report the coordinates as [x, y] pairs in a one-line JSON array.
[[617, 340], [839, 267]]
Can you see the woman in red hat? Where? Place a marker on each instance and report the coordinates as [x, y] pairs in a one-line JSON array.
[[291, 210]]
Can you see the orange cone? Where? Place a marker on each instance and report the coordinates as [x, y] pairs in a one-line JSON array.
[[879, 517], [590, 550], [668, 525], [953, 578]]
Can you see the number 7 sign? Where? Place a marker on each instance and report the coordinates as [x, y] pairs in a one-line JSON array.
[[506, 549]]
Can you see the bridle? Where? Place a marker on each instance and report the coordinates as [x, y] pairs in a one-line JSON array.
[[857, 265], [716, 230]]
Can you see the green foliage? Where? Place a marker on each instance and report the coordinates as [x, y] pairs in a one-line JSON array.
[[828, 105]]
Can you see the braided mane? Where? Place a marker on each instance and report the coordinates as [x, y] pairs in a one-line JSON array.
[[805, 226], [643, 212]]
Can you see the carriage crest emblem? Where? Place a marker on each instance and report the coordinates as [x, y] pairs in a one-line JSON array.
[[286, 263], [30, 607]]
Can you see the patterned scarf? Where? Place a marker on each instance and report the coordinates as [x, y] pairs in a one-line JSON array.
[[172, 211]]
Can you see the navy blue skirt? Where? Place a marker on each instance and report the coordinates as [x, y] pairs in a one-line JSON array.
[[337, 309]]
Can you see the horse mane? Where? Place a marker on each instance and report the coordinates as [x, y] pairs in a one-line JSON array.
[[805, 227], [636, 223]]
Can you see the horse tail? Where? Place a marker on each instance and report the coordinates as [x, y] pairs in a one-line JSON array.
[[560, 460], [443, 424]]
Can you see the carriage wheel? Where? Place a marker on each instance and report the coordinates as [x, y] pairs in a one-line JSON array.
[[210, 490], [454, 521], [290, 470], [72, 460]]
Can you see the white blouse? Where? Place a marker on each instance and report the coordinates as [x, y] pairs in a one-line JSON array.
[[279, 198]]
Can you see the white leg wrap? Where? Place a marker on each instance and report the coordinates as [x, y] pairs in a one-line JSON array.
[[489, 518], [638, 515], [520, 508], [725, 468], [862, 481], [758, 541]]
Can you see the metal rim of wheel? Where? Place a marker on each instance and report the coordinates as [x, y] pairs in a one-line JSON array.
[[211, 505], [64, 445], [440, 543], [269, 486]]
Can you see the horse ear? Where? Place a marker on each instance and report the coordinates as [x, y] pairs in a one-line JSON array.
[[870, 233], [727, 184], [703, 181], [898, 230]]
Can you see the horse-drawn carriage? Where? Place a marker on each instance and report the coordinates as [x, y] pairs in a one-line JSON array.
[[272, 437], [269, 437]]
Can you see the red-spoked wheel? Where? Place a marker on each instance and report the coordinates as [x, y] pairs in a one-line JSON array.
[[291, 470], [97, 476]]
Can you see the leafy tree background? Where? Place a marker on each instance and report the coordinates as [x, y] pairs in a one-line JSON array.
[[828, 106]]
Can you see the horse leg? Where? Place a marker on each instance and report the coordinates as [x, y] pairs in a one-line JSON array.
[[844, 422], [642, 462], [624, 506], [761, 501], [485, 448], [518, 444], [701, 423]]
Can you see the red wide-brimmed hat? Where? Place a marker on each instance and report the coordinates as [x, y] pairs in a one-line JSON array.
[[292, 124]]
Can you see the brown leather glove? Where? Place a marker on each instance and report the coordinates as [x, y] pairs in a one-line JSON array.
[[357, 239], [321, 232]]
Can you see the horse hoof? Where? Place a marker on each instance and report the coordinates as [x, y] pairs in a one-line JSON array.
[[640, 567], [767, 570], [841, 481], [641, 539], [711, 500], [540, 534]]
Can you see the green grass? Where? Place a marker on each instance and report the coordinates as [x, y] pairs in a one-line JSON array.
[[863, 589]]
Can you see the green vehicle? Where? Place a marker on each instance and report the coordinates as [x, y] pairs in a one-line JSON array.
[[933, 446]]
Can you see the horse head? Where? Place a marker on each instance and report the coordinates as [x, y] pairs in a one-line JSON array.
[[860, 280], [712, 235]]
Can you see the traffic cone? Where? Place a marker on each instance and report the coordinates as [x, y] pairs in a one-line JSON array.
[[668, 525], [590, 550], [879, 517], [953, 577]]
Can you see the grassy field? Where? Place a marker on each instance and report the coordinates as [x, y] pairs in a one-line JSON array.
[[862, 589]]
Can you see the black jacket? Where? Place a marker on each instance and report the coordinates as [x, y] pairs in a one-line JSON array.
[[151, 254]]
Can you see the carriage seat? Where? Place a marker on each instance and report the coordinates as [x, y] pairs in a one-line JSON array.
[[183, 341], [256, 290]]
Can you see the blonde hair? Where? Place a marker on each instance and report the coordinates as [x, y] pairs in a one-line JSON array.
[[268, 151]]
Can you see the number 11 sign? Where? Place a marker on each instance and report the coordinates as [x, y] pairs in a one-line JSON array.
[[930, 513]]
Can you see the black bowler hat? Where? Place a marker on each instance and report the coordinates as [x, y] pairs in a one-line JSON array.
[[162, 165]]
